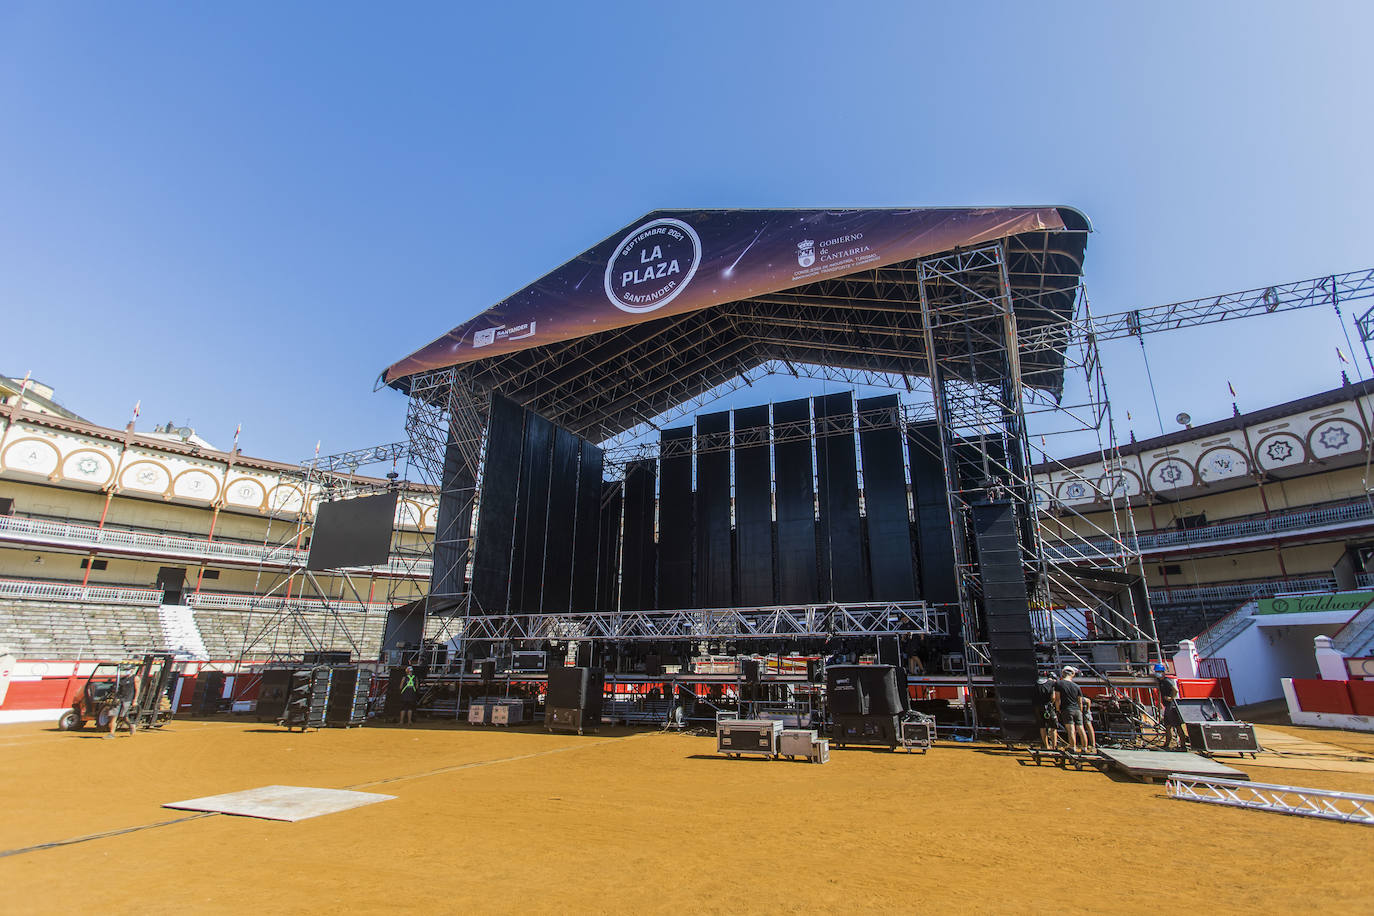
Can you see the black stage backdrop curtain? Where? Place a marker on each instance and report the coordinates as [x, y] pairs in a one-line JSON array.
[[561, 525], [587, 534], [531, 514], [608, 557], [753, 508], [491, 573], [796, 559], [637, 576], [675, 518], [842, 573], [713, 566], [935, 536], [885, 499]]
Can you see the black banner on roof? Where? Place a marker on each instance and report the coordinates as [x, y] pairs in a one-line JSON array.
[[676, 261]]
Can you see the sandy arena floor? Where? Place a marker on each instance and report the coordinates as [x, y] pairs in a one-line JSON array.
[[520, 820]]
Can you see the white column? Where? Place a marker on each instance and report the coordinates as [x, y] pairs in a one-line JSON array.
[[1185, 659], [1330, 662]]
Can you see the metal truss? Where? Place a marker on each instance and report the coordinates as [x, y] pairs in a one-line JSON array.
[[1332, 290], [893, 618], [1350, 807]]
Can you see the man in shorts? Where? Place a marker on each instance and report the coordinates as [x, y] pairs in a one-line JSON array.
[[123, 699], [1069, 703]]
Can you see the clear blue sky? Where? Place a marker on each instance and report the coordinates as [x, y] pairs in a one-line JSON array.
[[243, 212]]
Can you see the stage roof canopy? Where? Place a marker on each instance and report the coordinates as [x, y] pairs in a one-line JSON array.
[[682, 301]]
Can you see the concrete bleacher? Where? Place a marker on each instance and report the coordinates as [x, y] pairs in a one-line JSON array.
[[68, 630], [270, 634], [57, 630]]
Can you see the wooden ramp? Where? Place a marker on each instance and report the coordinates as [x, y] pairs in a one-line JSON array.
[[1154, 766]]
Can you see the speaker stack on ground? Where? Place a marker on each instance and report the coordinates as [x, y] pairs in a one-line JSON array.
[[307, 700], [348, 689], [273, 690], [573, 703], [866, 703], [296, 713], [208, 692]]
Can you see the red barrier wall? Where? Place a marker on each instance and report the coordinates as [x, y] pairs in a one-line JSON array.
[[1361, 697], [1323, 696], [1201, 688]]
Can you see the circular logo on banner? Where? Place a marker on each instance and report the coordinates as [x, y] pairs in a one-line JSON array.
[[652, 265]]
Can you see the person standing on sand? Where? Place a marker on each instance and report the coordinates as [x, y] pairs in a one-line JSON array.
[[1049, 722], [1168, 699], [125, 694], [1069, 702], [410, 691]]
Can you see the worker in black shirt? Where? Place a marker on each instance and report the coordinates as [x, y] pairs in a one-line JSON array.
[[1049, 722], [1069, 700], [1168, 700]]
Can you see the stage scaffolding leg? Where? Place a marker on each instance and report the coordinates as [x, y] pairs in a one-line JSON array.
[[975, 357], [446, 422]]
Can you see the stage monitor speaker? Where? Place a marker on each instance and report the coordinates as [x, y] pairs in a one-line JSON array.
[[584, 655], [844, 691], [815, 670], [749, 670], [577, 689], [486, 670], [880, 687]]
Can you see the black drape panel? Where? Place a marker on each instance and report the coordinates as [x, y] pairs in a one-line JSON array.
[[637, 574], [675, 519], [713, 566], [561, 526], [608, 557], [753, 508], [843, 576], [492, 557], [531, 514], [889, 525], [935, 538], [587, 530], [796, 559]]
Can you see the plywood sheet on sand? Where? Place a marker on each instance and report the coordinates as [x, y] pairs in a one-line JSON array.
[[282, 803]]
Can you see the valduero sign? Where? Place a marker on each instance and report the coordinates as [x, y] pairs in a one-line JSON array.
[[1307, 604], [652, 265]]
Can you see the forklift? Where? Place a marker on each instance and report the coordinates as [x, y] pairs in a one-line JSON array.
[[155, 677]]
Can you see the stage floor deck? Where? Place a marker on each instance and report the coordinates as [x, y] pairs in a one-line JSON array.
[[1157, 765]]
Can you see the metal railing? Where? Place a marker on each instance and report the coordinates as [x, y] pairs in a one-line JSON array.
[[1243, 591], [1279, 523], [38, 590], [116, 540], [94, 594], [231, 602]]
